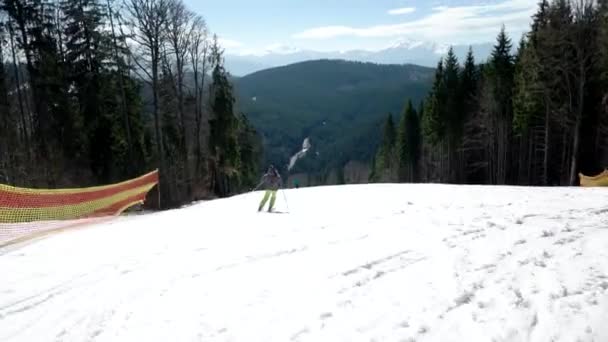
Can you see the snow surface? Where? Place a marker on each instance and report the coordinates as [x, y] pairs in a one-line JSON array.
[[353, 263]]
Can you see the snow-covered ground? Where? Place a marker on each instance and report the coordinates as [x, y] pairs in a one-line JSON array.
[[353, 263]]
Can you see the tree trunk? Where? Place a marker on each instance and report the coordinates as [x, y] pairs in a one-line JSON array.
[[19, 93], [564, 169], [545, 179], [532, 159], [182, 115], [579, 120], [123, 95], [197, 122], [159, 137], [575, 150]]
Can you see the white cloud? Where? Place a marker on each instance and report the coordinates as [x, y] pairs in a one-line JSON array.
[[400, 11], [276, 48], [453, 25], [281, 49], [229, 43]]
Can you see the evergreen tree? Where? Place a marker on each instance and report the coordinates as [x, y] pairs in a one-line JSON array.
[[409, 144], [468, 83], [500, 74], [87, 53], [502, 70], [223, 127], [453, 119], [527, 97], [602, 70], [539, 21], [414, 142], [453, 101], [8, 138], [402, 145], [385, 162], [250, 153], [433, 124]]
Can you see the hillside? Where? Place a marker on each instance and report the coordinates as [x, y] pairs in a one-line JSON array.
[[498, 264], [402, 51], [338, 104]]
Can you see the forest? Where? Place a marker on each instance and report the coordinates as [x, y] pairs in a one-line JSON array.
[[337, 104], [532, 114], [100, 91]]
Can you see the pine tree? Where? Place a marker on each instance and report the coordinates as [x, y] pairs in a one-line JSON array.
[[453, 118], [539, 21], [584, 39], [468, 83], [87, 54], [8, 138], [500, 74], [385, 162], [250, 153], [602, 68], [527, 97], [433, 124], [223, 126], [409, 144], [402, 145], [55, 127]]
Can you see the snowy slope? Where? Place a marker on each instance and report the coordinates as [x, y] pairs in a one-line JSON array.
[[354, 263]]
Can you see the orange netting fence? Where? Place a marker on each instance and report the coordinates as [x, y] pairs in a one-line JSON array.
[[24, 212]]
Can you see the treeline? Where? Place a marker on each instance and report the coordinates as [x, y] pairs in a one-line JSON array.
[[99, 91], [534, 117]]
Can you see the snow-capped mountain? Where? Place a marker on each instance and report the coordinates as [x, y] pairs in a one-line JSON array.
[[405, 51]]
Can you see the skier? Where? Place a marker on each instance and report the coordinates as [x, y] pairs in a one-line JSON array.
[[271, 181]]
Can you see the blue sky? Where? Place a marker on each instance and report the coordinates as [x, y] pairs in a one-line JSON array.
[[256, 26]]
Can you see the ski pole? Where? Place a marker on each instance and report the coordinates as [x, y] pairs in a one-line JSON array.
[[286, 203], [257, 187]]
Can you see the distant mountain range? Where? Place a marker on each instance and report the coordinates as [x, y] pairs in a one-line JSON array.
[[402, 52]]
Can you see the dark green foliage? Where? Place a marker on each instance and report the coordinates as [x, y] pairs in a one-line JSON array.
[[386, 161], [409, 143], [74, 112], [501, 74], [527, 97], [93, 118], [469, 79], [433, 122], [340, 105], [223, 128], [250, 153], [453, 102], [537, 117]]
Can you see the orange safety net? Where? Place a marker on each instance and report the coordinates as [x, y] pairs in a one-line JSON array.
[[28, 211], [594, 181]]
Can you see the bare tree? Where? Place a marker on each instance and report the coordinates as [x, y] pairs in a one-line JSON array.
[[178, 34], [199, 48], [18, 86], [123, 95], [149, 19]]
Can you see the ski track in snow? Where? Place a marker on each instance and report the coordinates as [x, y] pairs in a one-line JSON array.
[[353, 263]]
